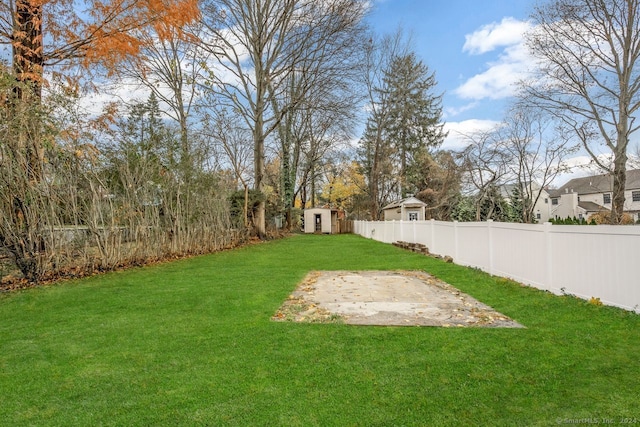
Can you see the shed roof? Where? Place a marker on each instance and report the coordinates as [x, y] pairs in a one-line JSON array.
[[410, 202], [322, 209]]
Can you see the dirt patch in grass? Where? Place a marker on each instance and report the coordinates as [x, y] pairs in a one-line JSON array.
[[394, 298]]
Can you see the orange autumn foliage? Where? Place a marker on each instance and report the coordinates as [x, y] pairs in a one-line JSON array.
[[116, 40], [92, 31]]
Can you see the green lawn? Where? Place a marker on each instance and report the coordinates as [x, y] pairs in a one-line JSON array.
[[191, 343]]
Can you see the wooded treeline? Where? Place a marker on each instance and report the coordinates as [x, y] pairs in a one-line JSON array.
[[136, 130], [235, 107]]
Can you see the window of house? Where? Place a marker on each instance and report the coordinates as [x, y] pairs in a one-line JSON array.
[[413, 216], [606, 197], [635, 196], [546, 200], [538, 216], [554, 201]]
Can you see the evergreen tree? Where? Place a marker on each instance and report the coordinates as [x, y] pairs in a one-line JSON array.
[[464, 210], [494, 206], [414, 119], [434, 178], [517, 205]]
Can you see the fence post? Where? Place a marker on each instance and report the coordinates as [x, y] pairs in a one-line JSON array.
[[389, 231], [455, 241], [432, 243], [548, 268], [490, 243], [401, 231], [415, 239]]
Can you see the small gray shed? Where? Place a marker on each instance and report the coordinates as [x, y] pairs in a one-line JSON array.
[[321, 220], [407, 209]]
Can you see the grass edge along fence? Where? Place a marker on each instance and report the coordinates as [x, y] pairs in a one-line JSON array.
[[595, 263]]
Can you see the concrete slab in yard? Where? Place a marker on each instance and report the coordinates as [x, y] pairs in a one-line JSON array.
[[399, 298]]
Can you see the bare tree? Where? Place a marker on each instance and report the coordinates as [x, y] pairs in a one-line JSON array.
[[261, 47], [325, 132], [588, 76], [375, 151], [534, 154], [324, 85], [484, 167], [169, 67], [147, 193], [233, 144], [436, 178], [74, 32]]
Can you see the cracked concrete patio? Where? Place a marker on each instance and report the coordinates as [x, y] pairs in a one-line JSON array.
[[393, 298]]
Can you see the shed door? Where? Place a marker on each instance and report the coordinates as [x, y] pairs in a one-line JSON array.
[[318, 223]]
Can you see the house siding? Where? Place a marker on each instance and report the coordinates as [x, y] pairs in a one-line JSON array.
[[592, 189], [328, 220], [629, 204], [393, 214], [541, 208], [401, 210]]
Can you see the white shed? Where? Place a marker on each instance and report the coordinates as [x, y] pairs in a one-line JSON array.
[[321, 220], [408, 209]]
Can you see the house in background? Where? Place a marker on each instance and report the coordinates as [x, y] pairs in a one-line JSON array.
[[542, 208], [582, 197], [321, 220], [407, 209]]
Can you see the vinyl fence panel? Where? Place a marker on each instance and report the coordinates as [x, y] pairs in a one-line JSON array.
[[586, 261]]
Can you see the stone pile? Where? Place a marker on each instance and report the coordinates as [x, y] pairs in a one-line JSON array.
[[421, 249], [414, 247]]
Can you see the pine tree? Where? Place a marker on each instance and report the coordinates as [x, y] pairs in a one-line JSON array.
[[517, 205], [414, 112]]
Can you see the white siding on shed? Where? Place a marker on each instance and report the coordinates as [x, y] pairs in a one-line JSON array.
[[320, 220]]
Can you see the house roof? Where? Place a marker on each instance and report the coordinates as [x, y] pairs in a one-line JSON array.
[[592, 207], [410, 202], [597, 184], [506, 190]]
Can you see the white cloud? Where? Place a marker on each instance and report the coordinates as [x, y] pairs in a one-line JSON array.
[[454, 111], [508, 32], [580, 166], [458, 132], [499, 80], [127, 91]]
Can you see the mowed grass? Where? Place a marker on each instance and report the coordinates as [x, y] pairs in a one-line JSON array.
[[191, 343]]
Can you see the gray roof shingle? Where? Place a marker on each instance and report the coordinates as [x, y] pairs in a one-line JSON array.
[[411, 202], [597, 184], [592, 207]]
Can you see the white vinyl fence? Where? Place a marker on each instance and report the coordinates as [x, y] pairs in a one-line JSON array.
[[586, 261]]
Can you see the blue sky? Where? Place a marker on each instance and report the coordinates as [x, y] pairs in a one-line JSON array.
[[474, 47]]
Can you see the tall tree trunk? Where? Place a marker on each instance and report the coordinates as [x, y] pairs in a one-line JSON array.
[[260, 224], [245, 211], [288, 168], [620, 152], [374, 180], [27, 66], [27, 48], [619, 184], [287, 184], [313, 186]]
